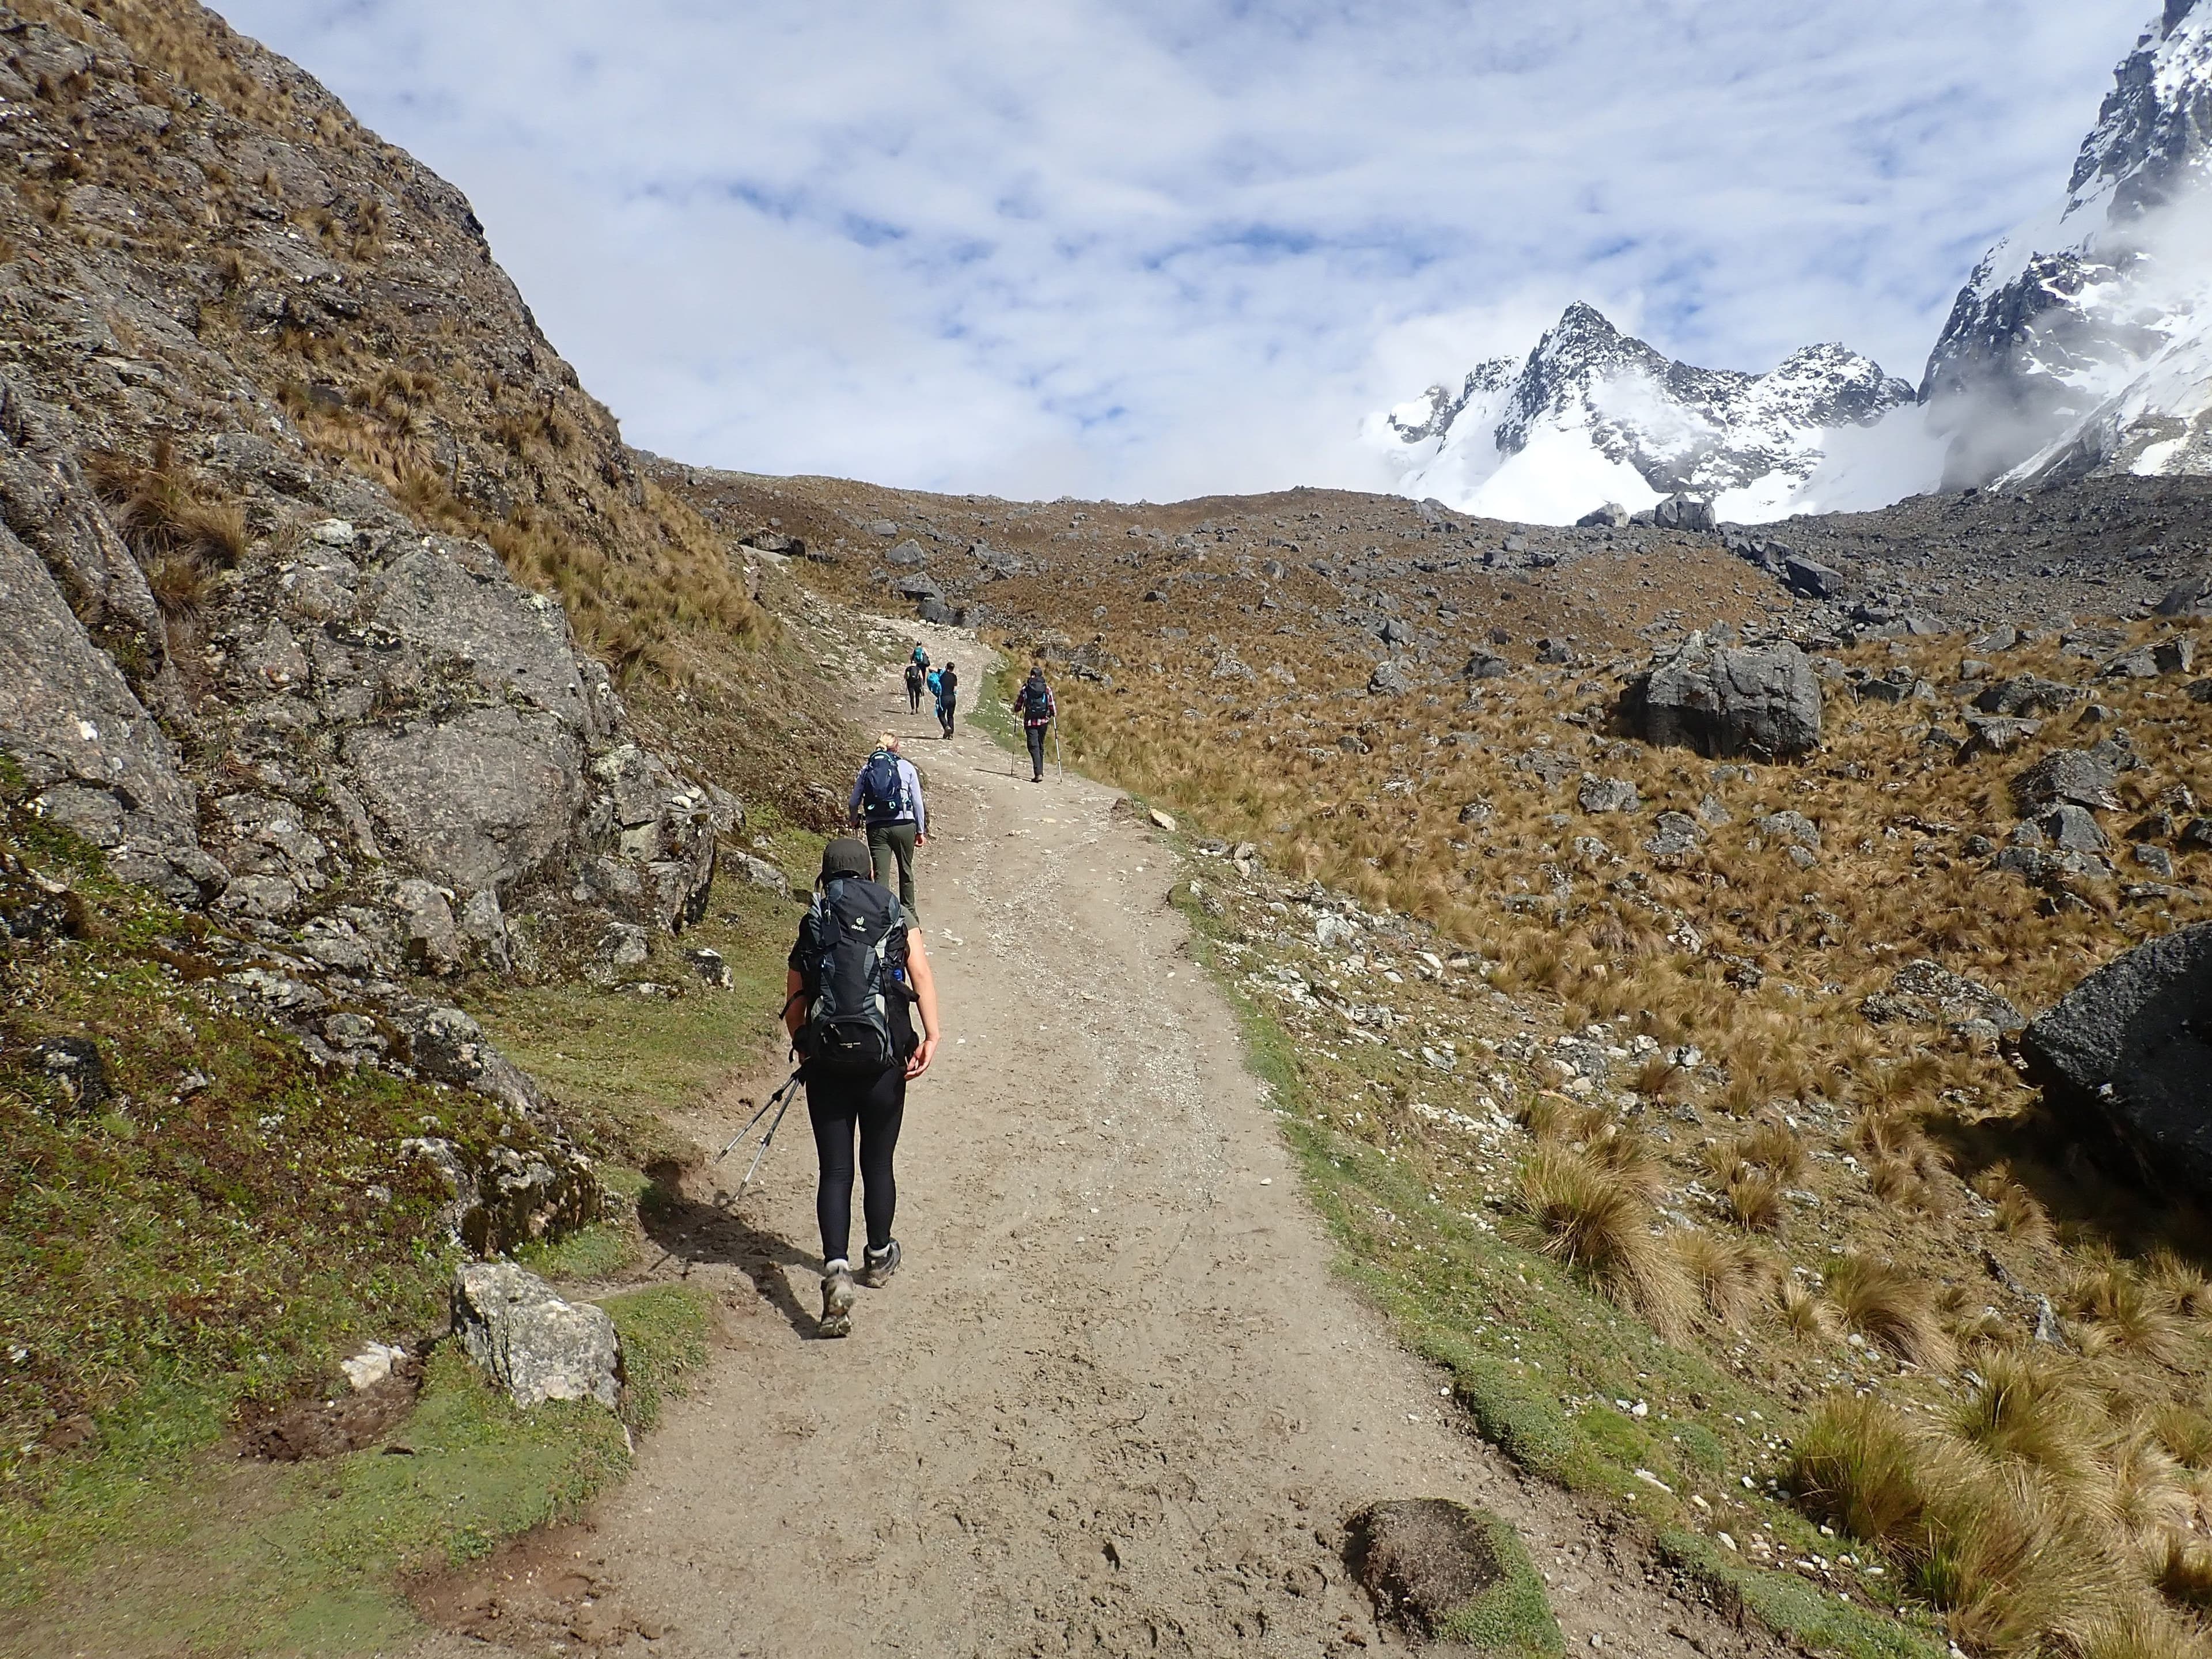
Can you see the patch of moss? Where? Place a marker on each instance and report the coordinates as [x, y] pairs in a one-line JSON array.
[[664, 1330], [1513, 1618], [1784, 1602]]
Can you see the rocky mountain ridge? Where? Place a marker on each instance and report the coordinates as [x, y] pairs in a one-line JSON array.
[[2082, 342], [1595, 415], [2080, 346]]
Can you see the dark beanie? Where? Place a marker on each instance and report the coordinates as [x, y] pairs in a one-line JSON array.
[[846, 856]]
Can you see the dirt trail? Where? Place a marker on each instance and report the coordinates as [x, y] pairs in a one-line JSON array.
[[1115, 1403]]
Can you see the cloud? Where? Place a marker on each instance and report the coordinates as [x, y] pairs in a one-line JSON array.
[[1160, 247]]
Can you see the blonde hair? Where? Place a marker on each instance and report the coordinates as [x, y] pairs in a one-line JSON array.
[[888, 740]]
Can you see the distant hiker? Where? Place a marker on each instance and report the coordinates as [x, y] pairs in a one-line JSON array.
[[887, 799], [948, 692], [1034, 703], [916, 676], [920, 657], [858, 971]]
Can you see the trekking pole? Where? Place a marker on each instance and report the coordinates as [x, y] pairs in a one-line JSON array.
[[789, 1084], [1058, 759], [766, 1140]]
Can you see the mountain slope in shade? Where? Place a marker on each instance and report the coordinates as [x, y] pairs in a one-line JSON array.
[[2082, 343], [1593, 414]]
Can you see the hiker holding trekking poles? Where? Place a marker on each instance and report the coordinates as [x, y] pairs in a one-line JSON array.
[[1034, 703], [887, 798], [858, 974]]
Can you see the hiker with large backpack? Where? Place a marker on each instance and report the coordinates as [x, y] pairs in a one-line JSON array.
[[886, 801], [914, 673], [1034, 703], [948, 693], [858, 976]]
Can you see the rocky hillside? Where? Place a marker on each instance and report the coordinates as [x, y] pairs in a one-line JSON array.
[[349, 664]]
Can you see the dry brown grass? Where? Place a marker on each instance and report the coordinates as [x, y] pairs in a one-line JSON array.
[[1596, 1220], [1733, 1279], [1891, 1309]]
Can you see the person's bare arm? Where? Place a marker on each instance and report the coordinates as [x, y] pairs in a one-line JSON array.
[[794, 1001], [925, 991]]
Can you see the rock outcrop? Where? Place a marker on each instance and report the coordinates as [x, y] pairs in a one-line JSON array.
[[2127, 1052], [1759, 701], [533, 1344]]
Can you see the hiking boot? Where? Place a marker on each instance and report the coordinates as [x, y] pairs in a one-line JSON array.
[[837, 1298], [877, 1266]]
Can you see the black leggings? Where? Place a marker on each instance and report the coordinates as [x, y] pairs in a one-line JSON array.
[[876, 1104], [1035, 735]]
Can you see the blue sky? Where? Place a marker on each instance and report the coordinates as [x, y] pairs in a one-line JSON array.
[[1167, 247]]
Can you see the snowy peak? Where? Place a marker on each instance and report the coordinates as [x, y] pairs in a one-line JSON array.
[[1592, 415], [2082, 342]]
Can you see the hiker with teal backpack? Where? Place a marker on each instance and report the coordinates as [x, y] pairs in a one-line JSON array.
[[1033, 704], [858, 974], [917, 676], [886, 800]]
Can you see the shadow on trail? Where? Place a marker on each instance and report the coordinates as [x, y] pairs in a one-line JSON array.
[[690, 1231]]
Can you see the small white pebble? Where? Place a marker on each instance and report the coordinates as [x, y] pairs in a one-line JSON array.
[[1267, 1181], [1727, 1542]]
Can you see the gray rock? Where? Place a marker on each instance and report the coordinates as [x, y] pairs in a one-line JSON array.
[[2177, 655], [1675, 835], [2027, 694], [908, 554], [2189, 598], [1485, 666], [269, 898], [1477, 812], [430, 938], [2197, 833], [1395, 632], [1389, 680], [1789, 825], [482, 924], [535, 1345], [1760, 700], [2072, 828], [917, 586], [2156, 860], [2140, 664], [483, 800], [1553, 653], [2127, 1051], [1997, 734], [710, 966], [762, 874], [1680, 512], [1926, 993], [2080, 776], [1607, 795], [1811, 579], [72, 723], [1612, 516]]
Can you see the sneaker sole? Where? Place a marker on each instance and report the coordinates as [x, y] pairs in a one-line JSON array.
[[837, 1312]]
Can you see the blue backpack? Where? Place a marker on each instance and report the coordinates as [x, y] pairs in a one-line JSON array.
[[883, 789]]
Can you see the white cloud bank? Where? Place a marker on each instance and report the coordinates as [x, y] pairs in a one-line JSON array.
[[1165, 247]]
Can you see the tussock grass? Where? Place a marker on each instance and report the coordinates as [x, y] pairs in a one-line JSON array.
[[1596, 1219], [1890, 1308]]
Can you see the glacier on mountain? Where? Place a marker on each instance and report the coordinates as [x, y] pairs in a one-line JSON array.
[[2082, 342], [2080, 345], [1593, 414]]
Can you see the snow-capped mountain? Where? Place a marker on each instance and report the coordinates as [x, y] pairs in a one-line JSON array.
[[1593, 415], [2082, 343]]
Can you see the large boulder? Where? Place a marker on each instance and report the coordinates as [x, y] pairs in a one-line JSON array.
[[1760, 701], [2079, 777], [93, 758], [2129, 1051], [1680, 512], [532, 1343]]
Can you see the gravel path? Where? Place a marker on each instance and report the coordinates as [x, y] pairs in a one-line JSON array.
[[1115, 1404]]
